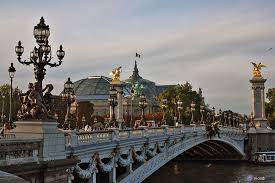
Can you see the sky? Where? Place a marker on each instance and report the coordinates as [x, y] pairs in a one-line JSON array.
[[209, 43]]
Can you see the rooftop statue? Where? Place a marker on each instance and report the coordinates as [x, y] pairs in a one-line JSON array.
[[116, 74], [256, 70]]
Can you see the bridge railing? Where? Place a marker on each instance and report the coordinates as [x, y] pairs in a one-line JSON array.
[[91, 137], [78, 138], [17, 151]]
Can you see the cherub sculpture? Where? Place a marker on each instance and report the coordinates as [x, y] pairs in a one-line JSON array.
[[116, 74], [256, 70]]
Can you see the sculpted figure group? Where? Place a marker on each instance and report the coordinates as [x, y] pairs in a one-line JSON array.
[[35, 105]]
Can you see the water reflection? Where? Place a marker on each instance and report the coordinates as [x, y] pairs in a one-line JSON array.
[[212, 172]]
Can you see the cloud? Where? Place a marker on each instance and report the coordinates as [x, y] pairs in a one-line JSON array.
[[209, 44]]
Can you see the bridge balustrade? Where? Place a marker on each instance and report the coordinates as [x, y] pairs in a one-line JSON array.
[[18, 151]]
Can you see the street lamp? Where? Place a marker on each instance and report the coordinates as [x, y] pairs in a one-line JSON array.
[[213, 114], [202, 111], [220, 116], [68, 93], [225, 118], [12, 74], [164, 107], [229, 119], [132, 98], [41, 56], [234, 120], [180, 107], [3, 106], [193, 105], [142, 104], [113, 104]]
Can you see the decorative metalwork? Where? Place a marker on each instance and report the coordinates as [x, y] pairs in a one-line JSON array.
[[40, 58]]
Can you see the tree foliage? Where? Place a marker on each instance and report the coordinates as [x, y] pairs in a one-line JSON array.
[[270, 107], [5, 91]]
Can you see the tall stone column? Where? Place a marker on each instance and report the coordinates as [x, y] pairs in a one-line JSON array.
[[258, 103], [118, 85]]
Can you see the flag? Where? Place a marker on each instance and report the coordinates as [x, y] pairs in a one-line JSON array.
[[137, 55]]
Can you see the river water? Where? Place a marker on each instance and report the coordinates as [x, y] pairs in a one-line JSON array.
[[212, 172]]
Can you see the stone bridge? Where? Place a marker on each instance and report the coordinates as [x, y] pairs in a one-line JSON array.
[[40, 152], [133, 155]]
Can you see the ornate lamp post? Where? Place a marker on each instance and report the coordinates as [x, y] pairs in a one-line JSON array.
[[41, 56], [213, 114], [202, 111], [68, 93], [180, 107], [230, 119], [220, 116], [3, 105], [142, 104], [163, 107], [132, 99], [12, 74], [193, 105], [225, 118], [113, 104], [234, 120]]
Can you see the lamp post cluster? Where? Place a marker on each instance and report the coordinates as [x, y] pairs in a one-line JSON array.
[[113, 103], [231, 119], [142, 104], [68, 95], [41, 56]]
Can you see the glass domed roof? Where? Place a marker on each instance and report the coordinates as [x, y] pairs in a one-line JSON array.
[[93, 85]]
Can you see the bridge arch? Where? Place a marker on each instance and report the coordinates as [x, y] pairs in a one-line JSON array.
[[169, 153]]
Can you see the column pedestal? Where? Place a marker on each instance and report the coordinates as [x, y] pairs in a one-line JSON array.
[[118, 85], [259, 121]]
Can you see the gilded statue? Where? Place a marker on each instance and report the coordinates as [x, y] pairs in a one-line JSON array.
[[116, 74], [256, 70]]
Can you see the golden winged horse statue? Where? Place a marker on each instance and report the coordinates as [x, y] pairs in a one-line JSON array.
[[256, 70], [116, 74]]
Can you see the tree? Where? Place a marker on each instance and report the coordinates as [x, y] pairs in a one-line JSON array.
[[185, 94], [270, 107], [16, 104]]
